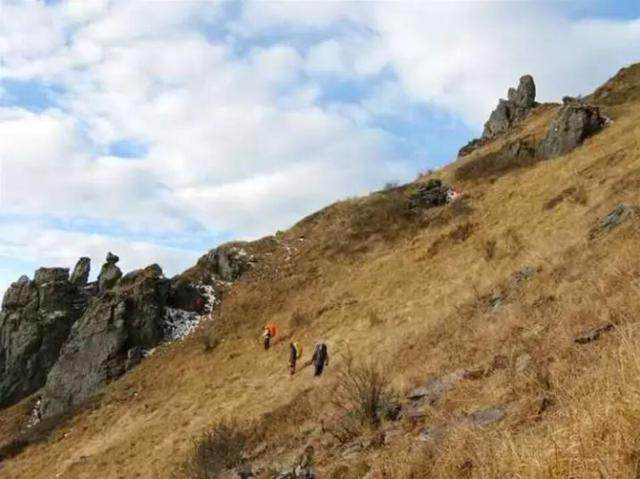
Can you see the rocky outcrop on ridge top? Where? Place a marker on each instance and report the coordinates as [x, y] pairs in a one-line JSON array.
[[35, 321], [106, 337]]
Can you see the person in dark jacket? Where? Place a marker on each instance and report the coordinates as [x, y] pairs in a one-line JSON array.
[[295, 351], [320, 358]]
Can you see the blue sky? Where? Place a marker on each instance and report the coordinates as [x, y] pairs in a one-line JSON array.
[[206, 122]]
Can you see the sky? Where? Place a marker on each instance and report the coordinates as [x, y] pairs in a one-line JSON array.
[[160, 129]]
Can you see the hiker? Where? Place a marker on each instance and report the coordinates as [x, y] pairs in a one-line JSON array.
[[268, 332], [320, 358], [295, 352]]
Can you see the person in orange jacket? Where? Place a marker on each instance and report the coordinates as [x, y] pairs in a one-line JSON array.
[[268, 332]]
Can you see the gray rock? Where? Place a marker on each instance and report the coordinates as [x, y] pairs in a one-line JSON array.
[[432, 435], [50, 275], [487, 416], [418, 393], [227, 261], [523, 275], [574, 122], [523, 362], [519, 103], [435, 388], [593, 334], [615, 218], [99, 348], [35, 320], [109, 274], [471, 146], [525, 95], [431, 194], [80, 274]]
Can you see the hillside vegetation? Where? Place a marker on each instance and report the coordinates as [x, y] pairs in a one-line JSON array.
[[520, 299]]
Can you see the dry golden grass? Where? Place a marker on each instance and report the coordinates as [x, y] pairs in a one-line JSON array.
[[422, 295]]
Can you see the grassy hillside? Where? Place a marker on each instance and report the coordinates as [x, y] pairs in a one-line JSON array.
[[499, 284]]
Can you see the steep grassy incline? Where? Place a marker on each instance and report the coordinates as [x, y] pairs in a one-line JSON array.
[[497, 284]]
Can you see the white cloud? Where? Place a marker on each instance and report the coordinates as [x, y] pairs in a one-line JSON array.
[[228, 102]]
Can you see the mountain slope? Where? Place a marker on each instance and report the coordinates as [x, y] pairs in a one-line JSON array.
[[498, 284]]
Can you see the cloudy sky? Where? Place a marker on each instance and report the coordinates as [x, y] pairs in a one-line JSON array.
[[159, 129]]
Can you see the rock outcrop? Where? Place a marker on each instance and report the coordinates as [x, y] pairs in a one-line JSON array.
[[80, 275], [109, 274], [108, 337], [35, 320], [431, 194], [574, 122], [227, 261], [517, 105]]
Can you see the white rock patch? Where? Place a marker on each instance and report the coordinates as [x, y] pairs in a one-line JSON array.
[[178, 323]]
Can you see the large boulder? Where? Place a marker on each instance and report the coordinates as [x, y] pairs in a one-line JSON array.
[[227, 262], [518, 104], [109, 274], [574, 122], [102, 343], [35, 321], [431, 194], [80, 274]]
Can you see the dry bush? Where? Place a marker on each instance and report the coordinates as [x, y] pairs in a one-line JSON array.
[[385, 214], [512, 156], [363, 397], [217, 449]]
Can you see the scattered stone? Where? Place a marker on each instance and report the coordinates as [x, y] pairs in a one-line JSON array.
[[486, 417], [519, 103], [435, 388], [110, 274], [593, 334], [523, 362], [544, 403], [615, 218], [500, 361], [80, 275], [523, 275], [432, 435], [574, 122]]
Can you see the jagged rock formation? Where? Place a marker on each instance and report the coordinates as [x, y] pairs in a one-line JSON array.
[[520, 101], [35, 321], [518, 104], [109, 274], [574, 122], [107, 338], [80, 275]]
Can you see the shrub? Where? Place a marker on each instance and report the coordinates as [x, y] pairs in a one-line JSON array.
[[217, 449], [364, 398], [382, 213]]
